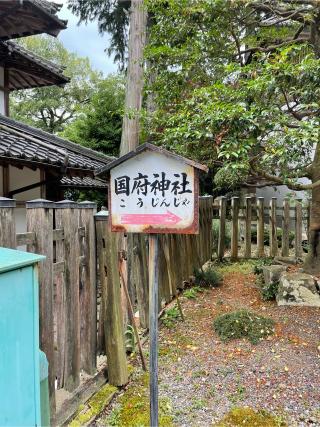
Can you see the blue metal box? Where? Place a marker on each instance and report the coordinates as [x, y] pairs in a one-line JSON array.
[[19, 339]]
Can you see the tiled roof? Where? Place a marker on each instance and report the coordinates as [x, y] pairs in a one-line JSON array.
[[24, 145], [28, 17], [85, 182], [27, 70]]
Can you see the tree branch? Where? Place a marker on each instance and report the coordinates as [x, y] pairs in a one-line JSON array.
[[293, 186], [274, 47]]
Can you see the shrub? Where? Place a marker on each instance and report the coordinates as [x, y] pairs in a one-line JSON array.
[[171, 316], [192, 292], [207, 278], [266, 237], [268, 292], [243, 324]]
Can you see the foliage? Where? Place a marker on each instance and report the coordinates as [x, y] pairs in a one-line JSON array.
[[99, 124], [268, 291], [249, 417], [266, 237], [243, 324], [171, 315], [260, 263], [112, 18], [207, 278], [192, 293], [52, 108], [237, 84], [227, 178]]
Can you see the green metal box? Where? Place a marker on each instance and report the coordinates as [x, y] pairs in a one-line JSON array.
[[19, 339]]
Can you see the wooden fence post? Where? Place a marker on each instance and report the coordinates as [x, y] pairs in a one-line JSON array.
[[101, 236], [40, 222], [113, 320], [60, 301], [67, 218], [88, 289], [222, 227], [260, 227], [308, 211], [7, 223], [140, 277], [247, 240], [298, 237], [285, 228], [273, 227], [235, 227]]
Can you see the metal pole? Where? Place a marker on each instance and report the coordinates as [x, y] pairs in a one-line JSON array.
[[153, 325]]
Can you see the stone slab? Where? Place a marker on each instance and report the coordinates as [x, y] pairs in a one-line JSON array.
[[299, 289]]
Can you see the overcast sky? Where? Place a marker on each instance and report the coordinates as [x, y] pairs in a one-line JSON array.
[[85, 40]]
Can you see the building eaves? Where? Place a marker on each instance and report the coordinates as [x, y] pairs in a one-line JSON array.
[[27, 70], [32, 147]]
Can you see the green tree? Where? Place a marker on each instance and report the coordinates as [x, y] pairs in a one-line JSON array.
[[237, 83], [98, 126], [112, 17], [52, 108]]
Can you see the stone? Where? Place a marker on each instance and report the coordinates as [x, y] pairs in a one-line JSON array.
[[299, 289], [272, 273]]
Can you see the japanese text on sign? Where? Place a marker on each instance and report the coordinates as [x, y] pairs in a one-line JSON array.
[[152, 190]]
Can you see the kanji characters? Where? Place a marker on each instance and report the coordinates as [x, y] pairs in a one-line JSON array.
[[122, 185]]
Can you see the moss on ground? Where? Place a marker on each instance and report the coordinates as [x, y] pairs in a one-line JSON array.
[[94, 406], [248, 417], [132, 408]]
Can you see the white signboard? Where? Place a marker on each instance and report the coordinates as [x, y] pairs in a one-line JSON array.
[[154, 193]]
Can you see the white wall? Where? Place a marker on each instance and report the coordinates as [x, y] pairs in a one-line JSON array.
[[21, 178], [281, 191], [1, 181], [2, 97]]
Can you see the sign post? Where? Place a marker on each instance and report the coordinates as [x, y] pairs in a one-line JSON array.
[[153, 325], [153, 191]]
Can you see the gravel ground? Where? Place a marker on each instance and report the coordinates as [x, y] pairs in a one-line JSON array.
[[204, 378]]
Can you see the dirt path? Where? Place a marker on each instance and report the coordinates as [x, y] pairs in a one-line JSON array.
[[201, 378]]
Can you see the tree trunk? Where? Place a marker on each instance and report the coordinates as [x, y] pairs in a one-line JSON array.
[[131, 118], [133, 98], [312, 263]]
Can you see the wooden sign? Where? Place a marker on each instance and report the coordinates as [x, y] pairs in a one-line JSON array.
[[154, 191]]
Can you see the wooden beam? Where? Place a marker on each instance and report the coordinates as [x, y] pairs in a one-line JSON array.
[[6, 180]]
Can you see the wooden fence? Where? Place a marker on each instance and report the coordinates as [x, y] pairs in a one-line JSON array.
[[77, 244], [272, 229]]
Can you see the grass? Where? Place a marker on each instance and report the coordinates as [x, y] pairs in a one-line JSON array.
[[243, 324]]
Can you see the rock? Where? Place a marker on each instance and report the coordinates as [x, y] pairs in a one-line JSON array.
[[298, 289], [271, 273], [286, 260]]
